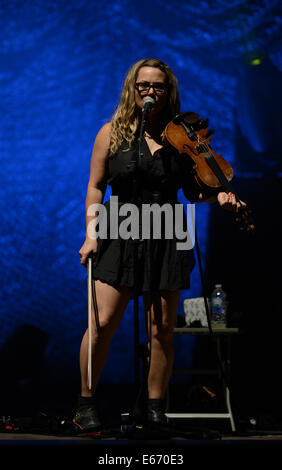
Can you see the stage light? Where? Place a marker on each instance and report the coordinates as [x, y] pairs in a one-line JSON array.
[[256, 61]]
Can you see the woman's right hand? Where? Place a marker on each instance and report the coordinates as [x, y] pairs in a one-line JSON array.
[[88, 247]]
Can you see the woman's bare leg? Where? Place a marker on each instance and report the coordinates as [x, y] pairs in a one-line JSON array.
[[163, 316], [111, 304]]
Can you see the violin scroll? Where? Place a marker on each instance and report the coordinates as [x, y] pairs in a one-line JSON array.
[[245, 220]]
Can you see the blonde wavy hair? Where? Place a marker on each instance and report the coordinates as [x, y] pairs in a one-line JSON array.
[[125, 120]]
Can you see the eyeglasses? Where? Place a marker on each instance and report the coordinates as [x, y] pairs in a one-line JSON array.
[[159, 87]]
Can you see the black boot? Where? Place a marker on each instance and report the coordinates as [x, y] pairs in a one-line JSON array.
[[156, 411], [86, 418]]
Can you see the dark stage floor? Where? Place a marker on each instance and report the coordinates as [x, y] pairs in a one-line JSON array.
[[51, 429], [183, 433], [135, 453], [135, 448]]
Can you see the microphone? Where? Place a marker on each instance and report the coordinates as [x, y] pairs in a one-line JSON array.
[[149, 103]]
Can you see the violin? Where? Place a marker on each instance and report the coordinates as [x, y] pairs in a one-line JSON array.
[[189, 134]]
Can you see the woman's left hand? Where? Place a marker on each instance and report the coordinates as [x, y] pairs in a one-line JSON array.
[[228, 202]]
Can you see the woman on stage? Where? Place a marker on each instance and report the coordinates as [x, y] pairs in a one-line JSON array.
[[149, 173]]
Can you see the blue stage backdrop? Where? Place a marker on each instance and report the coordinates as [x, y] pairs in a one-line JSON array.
[[62, 67]]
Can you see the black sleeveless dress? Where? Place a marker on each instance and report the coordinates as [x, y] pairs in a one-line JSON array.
[[146, 264]]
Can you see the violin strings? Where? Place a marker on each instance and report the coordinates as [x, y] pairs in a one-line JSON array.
[[205, 146]]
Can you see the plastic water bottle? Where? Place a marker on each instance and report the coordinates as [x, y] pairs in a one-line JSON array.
[[218, 307]]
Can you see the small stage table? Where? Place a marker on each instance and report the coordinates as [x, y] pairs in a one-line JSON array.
[[219, 335]]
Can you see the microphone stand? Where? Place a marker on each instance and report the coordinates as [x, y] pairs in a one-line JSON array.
[[148, 104]]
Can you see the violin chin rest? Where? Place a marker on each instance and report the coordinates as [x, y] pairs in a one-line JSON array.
[[188, 117]]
